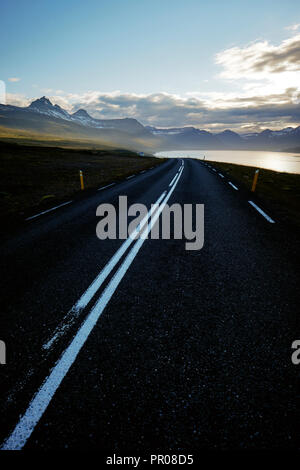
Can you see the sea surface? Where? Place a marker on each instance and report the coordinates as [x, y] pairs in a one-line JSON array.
[[278, 161]]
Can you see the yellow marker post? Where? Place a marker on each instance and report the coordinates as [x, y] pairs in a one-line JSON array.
[[81, 180], [255, 180]]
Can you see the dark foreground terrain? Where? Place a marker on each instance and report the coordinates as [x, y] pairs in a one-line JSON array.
[[278, 191], [34, 178], [173, 351]]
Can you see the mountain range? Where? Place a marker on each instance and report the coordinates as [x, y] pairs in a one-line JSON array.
[[45, 121]]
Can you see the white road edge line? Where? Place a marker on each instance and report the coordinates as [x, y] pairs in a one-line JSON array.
[[97, 282], [234, 187], [128, 177], [48, 210], [107, 186], [262, 212], [38, 405]]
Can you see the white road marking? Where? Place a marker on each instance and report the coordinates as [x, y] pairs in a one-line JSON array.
[[173, 179], [97, 283], [220, 174], [142, 171], [262, 212], [214, 169], [48, 210], [87, 296], [177, 178], [107, 186], [43, 397], [234, 187], [128, 177]]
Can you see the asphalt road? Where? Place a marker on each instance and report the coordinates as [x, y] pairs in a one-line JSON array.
[[172, 351]]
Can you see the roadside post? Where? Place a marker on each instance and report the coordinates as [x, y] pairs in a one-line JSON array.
[[255, 180], [81, 180]]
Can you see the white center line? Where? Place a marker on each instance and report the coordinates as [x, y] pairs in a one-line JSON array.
[[262, 212], [48, 210], [128, 177], [220, 174], [43, 397], [173, 179], [234, 187], [97, 283], [107, 186]]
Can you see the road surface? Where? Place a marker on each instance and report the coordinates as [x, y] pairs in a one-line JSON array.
[[147, 347]]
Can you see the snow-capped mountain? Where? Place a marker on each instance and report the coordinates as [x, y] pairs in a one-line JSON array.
[[41, 116], [185, 138], [42, 121], [269, 134], [44, 106], [189, 130], [85, 119], [191, 138], [172, 131], [281, 139], [229, 137]]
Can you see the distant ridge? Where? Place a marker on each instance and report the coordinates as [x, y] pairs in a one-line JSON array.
[[41, 116]]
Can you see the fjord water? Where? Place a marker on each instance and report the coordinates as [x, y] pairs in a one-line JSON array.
[[277, 161]]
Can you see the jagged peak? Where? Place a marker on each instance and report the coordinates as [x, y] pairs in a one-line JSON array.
[[43, 101], [81, 112]]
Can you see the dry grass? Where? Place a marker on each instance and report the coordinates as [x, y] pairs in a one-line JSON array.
[[279, 191], [34, 178]]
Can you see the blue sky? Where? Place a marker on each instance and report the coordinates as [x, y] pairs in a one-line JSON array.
[[78, 52]]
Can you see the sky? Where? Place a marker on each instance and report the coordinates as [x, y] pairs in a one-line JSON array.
[[210, 64]]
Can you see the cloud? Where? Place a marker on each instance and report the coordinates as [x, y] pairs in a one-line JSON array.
[[17, 99], [217, 112], [262, 71], [14, 79], [260, 59], [293, 27], [167, 110], [264, 80]]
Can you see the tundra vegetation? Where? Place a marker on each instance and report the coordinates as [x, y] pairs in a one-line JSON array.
[[34, 178]]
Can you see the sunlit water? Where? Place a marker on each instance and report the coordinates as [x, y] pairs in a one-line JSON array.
[[278, 161]]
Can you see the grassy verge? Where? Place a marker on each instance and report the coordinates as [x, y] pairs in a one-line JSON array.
[[280, 192], [36, 178]]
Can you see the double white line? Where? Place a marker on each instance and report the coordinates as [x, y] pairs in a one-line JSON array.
[[39, 403]]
